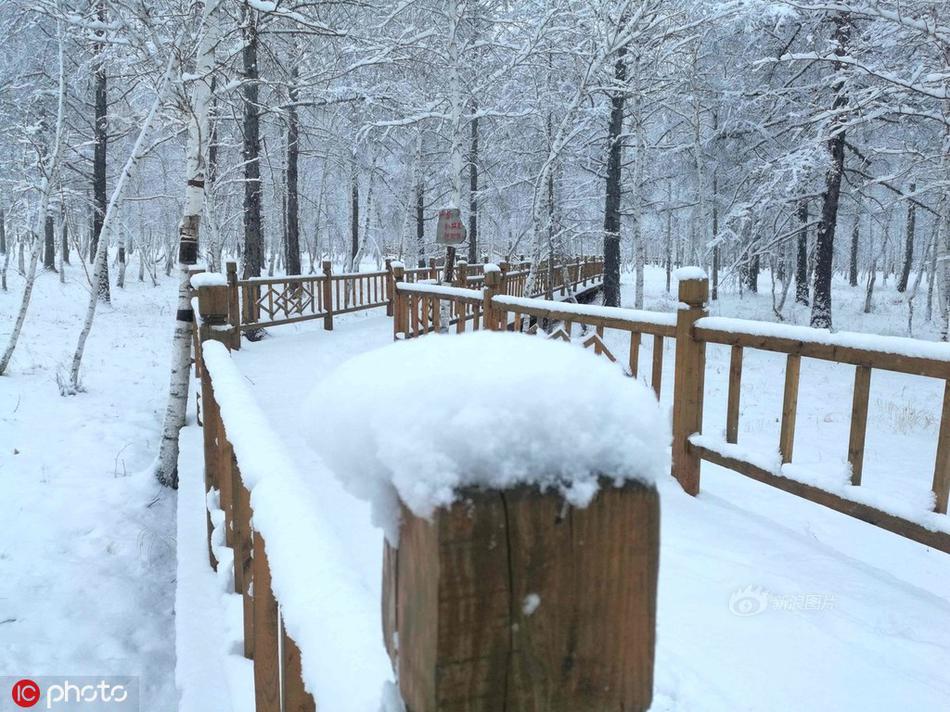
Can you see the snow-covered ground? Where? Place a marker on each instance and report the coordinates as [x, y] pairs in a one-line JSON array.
[[766, 601], [87, 552]]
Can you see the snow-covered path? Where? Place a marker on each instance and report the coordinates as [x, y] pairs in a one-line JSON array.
[[838, 615]]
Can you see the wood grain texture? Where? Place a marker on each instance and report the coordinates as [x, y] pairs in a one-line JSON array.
[[735, 391], [266, 635], [296, 697], [786, 443], [941, 482], [471, 638], [859, 422]]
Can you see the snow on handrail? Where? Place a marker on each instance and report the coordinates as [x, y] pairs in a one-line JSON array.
[[316, 586], [439, 290], [633, 317], [871, 343]]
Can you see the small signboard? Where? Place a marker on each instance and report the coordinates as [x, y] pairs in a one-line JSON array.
[[450, 230]]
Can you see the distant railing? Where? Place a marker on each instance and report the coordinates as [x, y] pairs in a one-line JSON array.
[[418, 309], [259, 302]]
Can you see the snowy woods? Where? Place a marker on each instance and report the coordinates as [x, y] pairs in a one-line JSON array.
[[809, 139]]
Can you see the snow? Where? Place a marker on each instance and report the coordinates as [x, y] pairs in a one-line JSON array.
[[901, 346], [631, 316], [87, 556], [684, 273], [530, 604], [435, 289], [840, 485], [208, 279], [322, 601], [397, 263], [491, 267], [420, 420]]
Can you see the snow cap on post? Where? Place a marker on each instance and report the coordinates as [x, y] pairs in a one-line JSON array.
[[418, 421]]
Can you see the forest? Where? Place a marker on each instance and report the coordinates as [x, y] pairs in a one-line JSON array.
[[804, 138]]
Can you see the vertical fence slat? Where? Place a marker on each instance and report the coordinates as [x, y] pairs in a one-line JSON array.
[[941, 484], [266, 654], [657, 375], [296, 697], [243, 551], [859, 422], [634, 359], [735, 390], [327, 295], [793, 366]]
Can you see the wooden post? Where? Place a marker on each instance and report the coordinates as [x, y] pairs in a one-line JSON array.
[[517, 601], [213, 308], [266, 635], [941, 485], [735, 388], [400, 304], [859, 422], [786, 445], [433, 269], [461, 274], [327, 295], [389, 287], [688, 381], [492, 287], [234, 310]]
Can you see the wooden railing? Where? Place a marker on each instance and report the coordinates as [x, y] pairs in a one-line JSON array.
[[260, 302], [417, 310], [257, 508], [276, 656]]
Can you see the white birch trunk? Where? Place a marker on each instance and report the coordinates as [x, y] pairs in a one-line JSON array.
[[199, 132], [102, 249], [46, 185]]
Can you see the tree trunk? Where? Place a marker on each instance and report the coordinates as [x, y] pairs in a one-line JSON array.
[[101, 131], [613, 187], [47, 179], [3, 233], [801, 255], [253, 230], [293, 203], [199, 130], [853, 263], [354, 219], [908, 243], [49, 244], [473, 190], [821, 307], [420, 225], [64, 246]]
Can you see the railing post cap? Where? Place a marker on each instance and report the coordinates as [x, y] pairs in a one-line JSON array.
[[327, 266], [693, 287]]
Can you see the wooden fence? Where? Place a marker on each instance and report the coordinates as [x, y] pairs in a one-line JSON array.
[[417, 310], [278, 685], [260, 302]]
